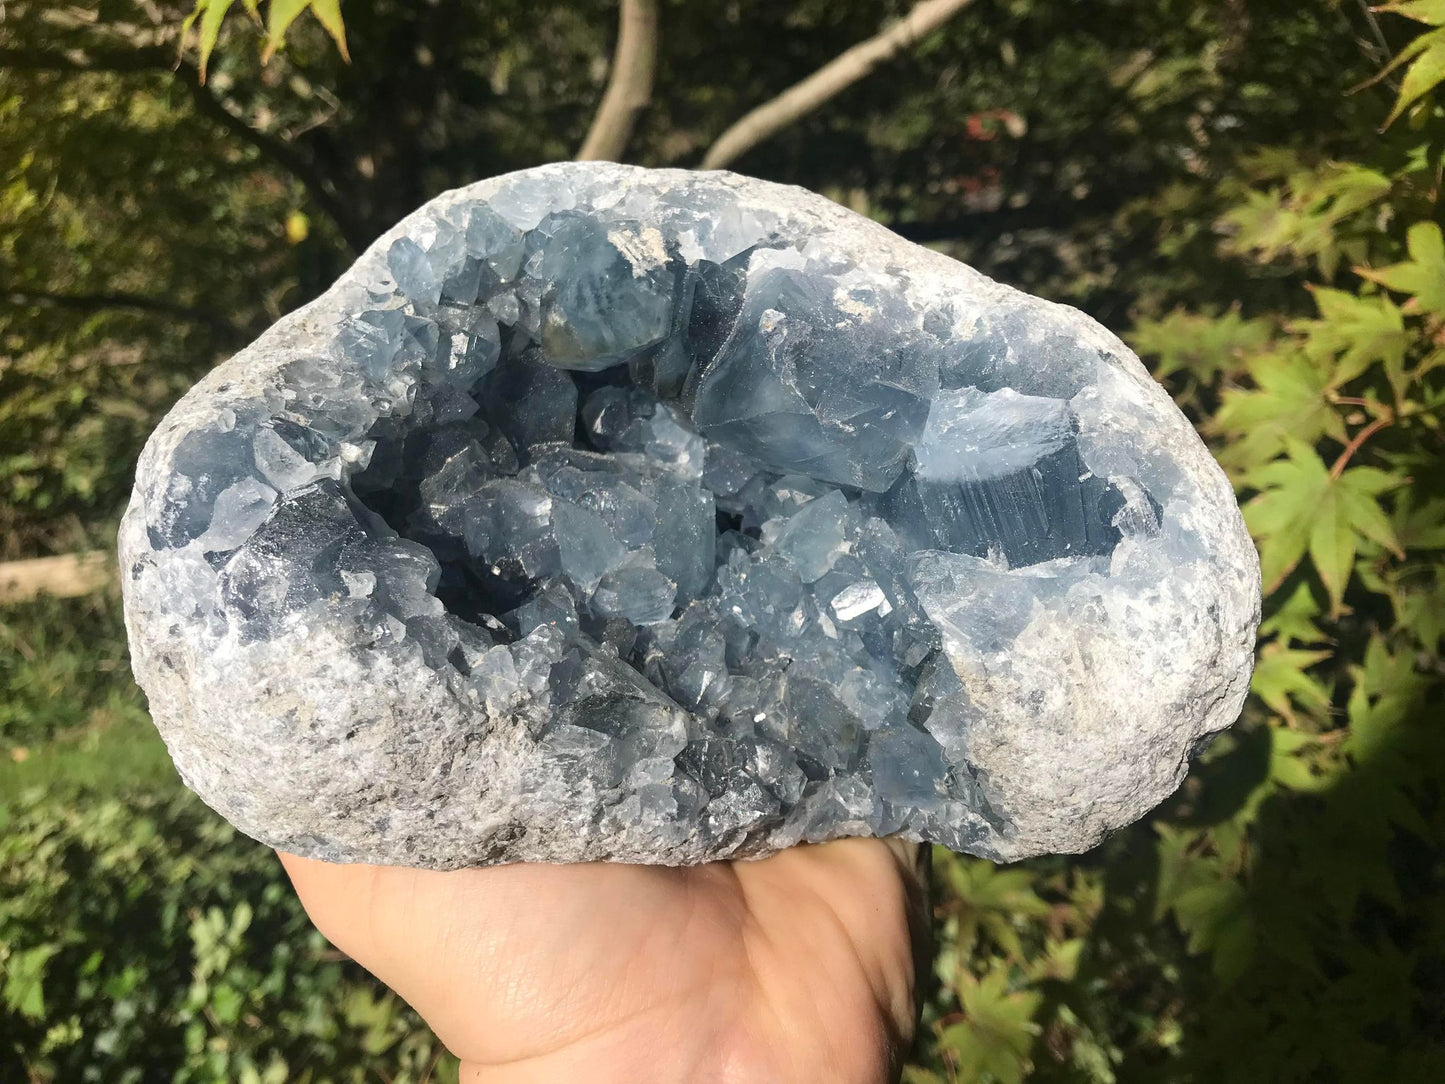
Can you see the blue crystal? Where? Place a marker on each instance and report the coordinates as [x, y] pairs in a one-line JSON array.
[[642, 595], [415, 276], [695, 510], [908, 767], [531, 402], [804, 388], [606, 290]]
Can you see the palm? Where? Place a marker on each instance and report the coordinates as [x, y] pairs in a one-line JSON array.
[[798, 967]]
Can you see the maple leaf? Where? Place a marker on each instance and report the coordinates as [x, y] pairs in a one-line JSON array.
[[210, 13], [1424, 74], [1202, 346], [1420, 526], [1422, 275], [1286, 766], [1303, 506], [1294, 622], [283, 13], [279, 17], [1354, 333], [1304, 218], [998, 1030], [1425, 55], [1288, 401], [1348, 511], [1217, 919], [1419, 603], [1280, 680]]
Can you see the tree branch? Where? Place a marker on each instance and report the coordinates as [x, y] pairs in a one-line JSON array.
[[96, 302], [162, 58], [629, 86], [67, 576], [278, 151], [838, 74]]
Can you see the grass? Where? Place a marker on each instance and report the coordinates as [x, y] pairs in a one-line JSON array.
[[125, 756], [71, 717]]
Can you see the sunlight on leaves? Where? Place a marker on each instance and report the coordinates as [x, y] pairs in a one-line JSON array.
[[280, 15], [997, 1031], [1425, 55], [1422, 276]]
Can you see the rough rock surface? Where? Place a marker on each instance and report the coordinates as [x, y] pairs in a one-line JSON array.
[[659, 516]]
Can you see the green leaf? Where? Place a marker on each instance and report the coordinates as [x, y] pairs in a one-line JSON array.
[[1348, 511], [211, 13], [1349, 187], [1388, 673], [1332, 549], [989, 900], [1280, 680], [227, 1002], [1422, 526], [1293, 622], [1420, 609], [283, 13], [1062, 958], [1430, 12], [279, 17], [1202, 346], [328, 14], [1424, 73], [1387, 688], [24, 978], [1181, 866], [1217, 919], [1303, 508], [190, 20], [1286, 766], [1288, 401], [998, 1029], [1422, 276], [241, 920], [1305, 217], [1281, 517], [1354, 333]]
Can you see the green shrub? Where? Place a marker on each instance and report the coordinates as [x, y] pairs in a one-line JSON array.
[[1191, 173], [1283, 917], [142, 939]]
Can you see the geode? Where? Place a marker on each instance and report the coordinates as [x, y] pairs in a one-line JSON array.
[[609, 513]]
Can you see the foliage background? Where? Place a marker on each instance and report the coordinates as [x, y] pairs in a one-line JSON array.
[[1210, 179]]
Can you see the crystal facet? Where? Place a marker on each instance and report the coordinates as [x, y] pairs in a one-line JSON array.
[[600, 512]]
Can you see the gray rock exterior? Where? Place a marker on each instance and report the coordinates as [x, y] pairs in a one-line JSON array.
[[608, 513]]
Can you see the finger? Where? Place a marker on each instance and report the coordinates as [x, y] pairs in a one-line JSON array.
[[914, 859], [916, 862]]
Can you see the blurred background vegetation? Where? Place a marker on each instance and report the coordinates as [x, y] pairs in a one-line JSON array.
[[1247, 190]]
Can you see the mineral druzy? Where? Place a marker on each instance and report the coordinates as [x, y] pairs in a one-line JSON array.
[[600, 512]]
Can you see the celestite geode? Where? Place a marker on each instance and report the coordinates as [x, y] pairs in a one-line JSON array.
[[600, 512]]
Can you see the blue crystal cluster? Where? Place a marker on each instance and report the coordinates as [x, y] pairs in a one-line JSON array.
[[682, 499]]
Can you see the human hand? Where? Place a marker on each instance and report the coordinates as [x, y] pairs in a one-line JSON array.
[[798, 967]]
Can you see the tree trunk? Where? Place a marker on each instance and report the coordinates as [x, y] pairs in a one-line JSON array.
[[629, 87]]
